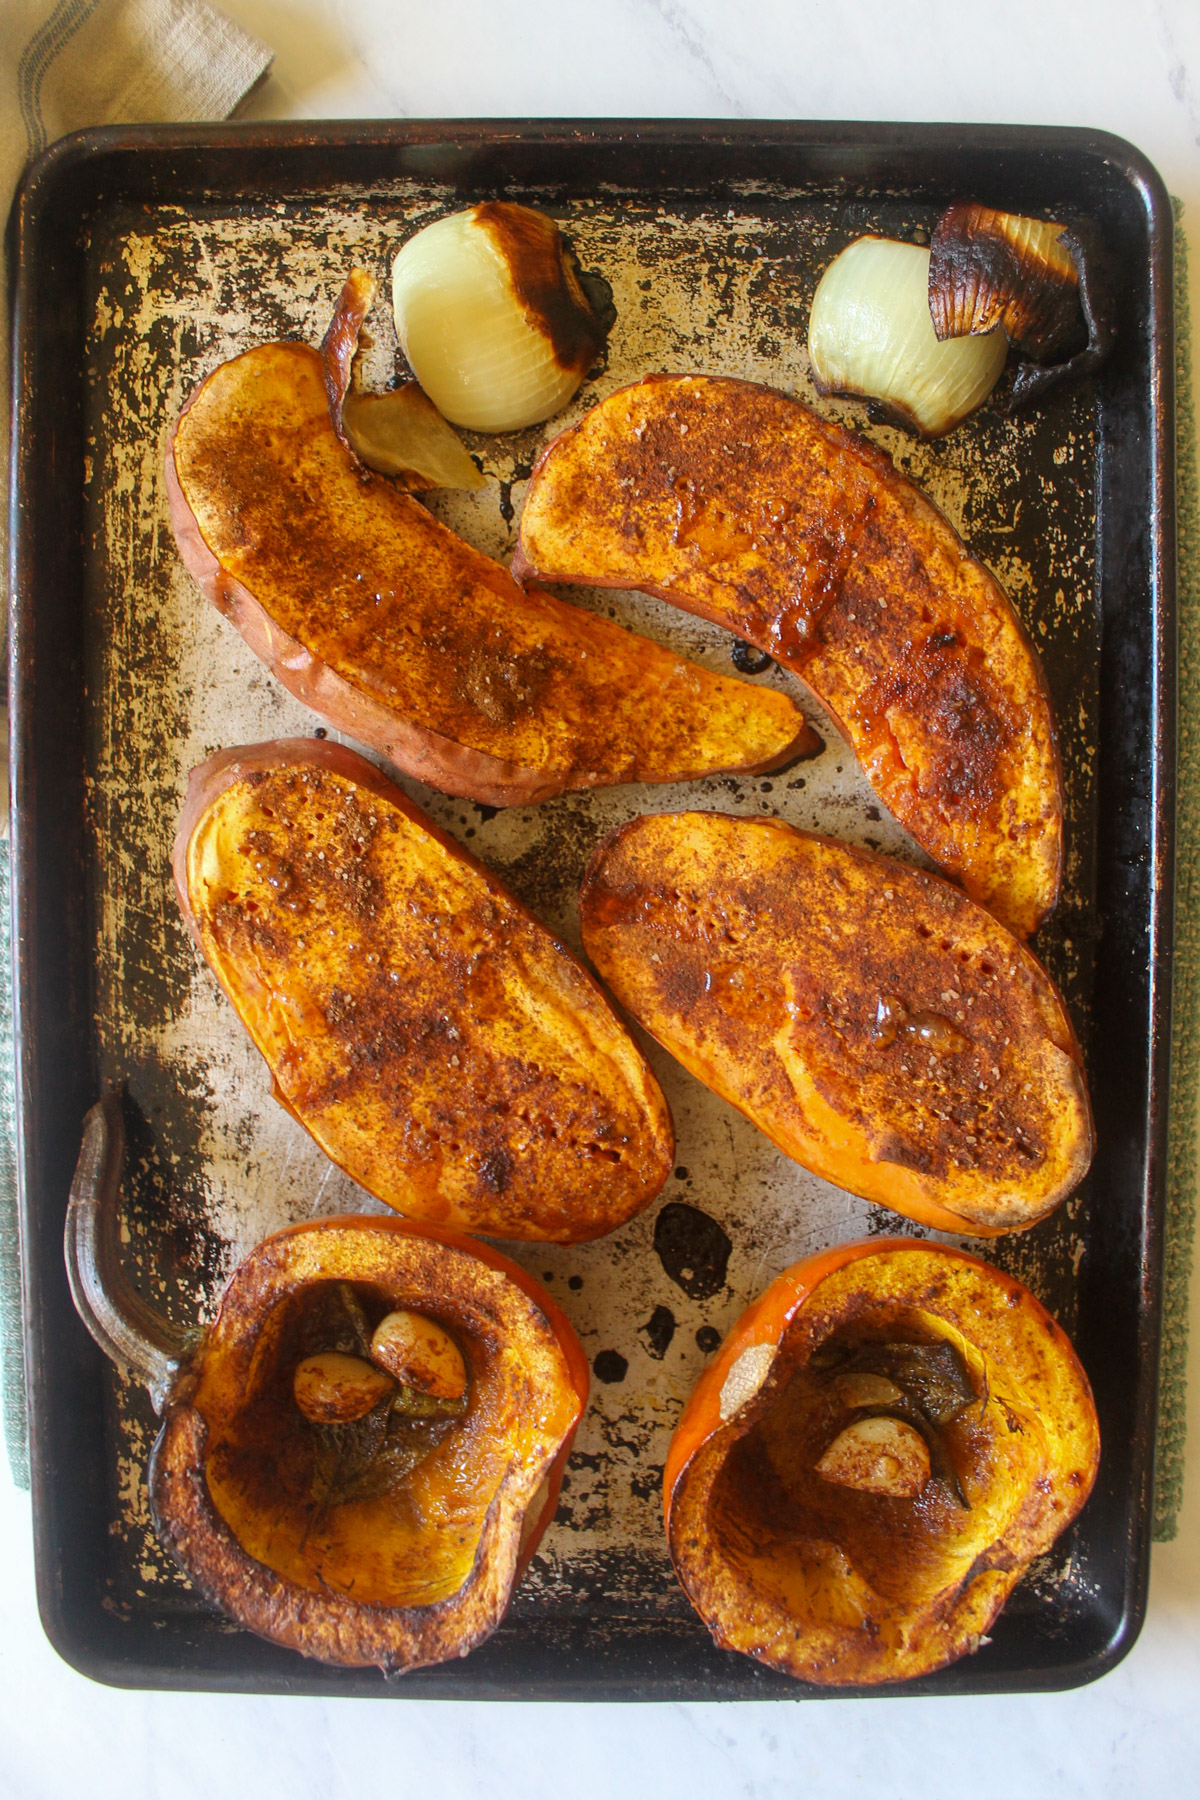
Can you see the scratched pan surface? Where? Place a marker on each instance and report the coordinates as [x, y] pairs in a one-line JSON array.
[[145, 260]]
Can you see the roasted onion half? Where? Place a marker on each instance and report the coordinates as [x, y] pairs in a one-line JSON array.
[[492, 316], [925, 333], [870, 333]]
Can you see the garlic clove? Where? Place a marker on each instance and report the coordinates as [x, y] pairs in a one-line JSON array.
[[878, 1456], [332, 1388], [420, 1354], [860, 1388], [989, 269], [401, 433], [492, 317], [870, 333]]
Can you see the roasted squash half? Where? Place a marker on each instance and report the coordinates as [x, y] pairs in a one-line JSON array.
[[389, 1531], [398, 633], [795, 1524], [737, 503], [439, 1044], [877, 1024]]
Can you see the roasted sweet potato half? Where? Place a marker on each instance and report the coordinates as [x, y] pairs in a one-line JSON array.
[[883, 1444], [393, 629], [877, 1024], [439, 1044], [317, 1476], [737, 503]]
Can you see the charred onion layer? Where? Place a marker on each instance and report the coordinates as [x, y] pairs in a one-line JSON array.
[[1050, 286]]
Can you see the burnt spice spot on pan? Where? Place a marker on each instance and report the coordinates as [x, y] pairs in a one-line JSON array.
[[749, 661], [692, 1248], [610, 1366], [658, 1331]]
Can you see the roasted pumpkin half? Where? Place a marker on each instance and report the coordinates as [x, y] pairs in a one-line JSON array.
[[735, 502], [883, 1444], [398, 633], [360, 1454], [439, 1044], [878, 1025]]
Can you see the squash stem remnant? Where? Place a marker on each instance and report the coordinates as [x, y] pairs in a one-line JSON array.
[[138, 1339]]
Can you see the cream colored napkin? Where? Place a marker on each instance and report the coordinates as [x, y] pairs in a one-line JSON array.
[[108, 62], [78, 63], [65, 66]]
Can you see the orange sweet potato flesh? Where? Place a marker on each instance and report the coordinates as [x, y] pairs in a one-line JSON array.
[[844, 1588], [878, 1025], [398, 633], [732, 501], [423, 1570], [439, 1044]]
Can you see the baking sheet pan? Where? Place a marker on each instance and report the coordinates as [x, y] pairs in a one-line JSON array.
[[145, 257]]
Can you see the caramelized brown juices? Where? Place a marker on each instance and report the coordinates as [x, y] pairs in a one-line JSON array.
[[892, 1019]]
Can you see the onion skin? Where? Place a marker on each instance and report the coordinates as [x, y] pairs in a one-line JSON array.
[[492, 317], [989, 269], [339, 346], [987, 265], [1097, 297], [870, 333], [399, 433]]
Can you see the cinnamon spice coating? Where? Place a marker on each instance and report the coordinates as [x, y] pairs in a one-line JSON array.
[[397, 632], [737, 503]]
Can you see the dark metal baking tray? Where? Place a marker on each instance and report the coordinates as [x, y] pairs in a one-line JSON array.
[[614, 1626]]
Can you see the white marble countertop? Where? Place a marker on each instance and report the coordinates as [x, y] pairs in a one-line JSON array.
[[1128, 66]]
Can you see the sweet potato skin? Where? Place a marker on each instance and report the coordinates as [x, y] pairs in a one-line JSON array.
[[878, 1025], [437, 1042], [737, 503], [401, 635]]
